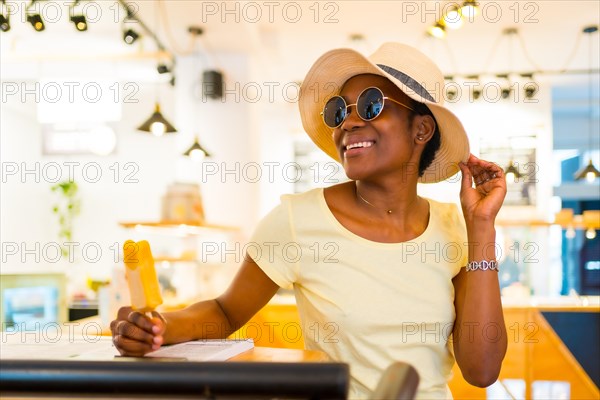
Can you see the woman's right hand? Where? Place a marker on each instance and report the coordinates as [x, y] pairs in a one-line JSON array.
[[134, 334]]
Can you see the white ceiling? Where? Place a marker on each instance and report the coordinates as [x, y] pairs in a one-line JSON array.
[[286, 43]]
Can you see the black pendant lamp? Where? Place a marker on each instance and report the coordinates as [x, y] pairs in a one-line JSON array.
[[512, 173], [196, 152], [589, 172], [157, 124]]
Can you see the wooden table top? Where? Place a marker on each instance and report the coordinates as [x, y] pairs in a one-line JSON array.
[[273, 354]]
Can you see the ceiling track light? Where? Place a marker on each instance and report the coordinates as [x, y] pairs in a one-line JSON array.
[[163, 69], [4, 18], [130, 36], [35, 19], [78, 20], [4, 23]]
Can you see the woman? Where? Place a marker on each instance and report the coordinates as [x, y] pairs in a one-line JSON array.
[[395, 286]]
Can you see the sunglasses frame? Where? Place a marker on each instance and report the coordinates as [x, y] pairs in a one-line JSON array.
[[383, 99]]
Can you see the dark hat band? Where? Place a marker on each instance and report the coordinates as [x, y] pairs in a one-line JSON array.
[[408, 81]]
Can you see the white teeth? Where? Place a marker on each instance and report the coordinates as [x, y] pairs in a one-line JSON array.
[[359, 144]]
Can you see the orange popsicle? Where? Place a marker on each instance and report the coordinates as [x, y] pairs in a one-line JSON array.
[[141, 276]]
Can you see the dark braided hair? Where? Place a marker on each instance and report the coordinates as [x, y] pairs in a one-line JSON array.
[[434, 143]]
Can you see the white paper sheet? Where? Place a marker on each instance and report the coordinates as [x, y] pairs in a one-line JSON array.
[[205, 350]]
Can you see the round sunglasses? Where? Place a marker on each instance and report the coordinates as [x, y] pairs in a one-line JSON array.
[[369, 104]]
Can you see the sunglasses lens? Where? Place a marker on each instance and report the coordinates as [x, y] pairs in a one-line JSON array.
[[370, 104], [334, 112]]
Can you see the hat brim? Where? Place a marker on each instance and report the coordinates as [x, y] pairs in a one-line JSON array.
[[326, 78]]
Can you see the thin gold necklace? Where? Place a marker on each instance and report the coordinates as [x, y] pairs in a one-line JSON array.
[[366, 201]]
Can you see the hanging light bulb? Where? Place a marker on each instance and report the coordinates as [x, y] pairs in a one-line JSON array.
[[589, 172], [158, 128], [469, 9], [590, 234], [197, 155], [512, 173], [438, 30], [453, 19], [157, 124], [196, 152], [510, 177], [570, 233]]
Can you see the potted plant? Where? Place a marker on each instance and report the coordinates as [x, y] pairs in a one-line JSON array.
[[67, 208]]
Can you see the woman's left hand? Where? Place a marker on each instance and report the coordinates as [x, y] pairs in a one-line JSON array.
[[482, 202]]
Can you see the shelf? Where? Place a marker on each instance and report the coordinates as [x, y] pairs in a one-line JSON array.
[[175, 224], [516, 222], [577, 191], [575, 222], [179, 228], [590, 219], [174, 259]]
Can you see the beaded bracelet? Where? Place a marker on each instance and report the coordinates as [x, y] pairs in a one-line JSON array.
[[482, 265]]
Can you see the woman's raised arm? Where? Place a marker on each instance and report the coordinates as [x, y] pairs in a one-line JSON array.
[[479, 334]]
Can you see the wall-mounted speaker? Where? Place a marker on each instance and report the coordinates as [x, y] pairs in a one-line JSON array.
[[212, 84]]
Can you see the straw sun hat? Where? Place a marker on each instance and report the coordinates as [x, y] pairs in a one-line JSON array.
[[411, 71]]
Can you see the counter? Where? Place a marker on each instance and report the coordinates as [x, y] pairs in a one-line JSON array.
[[552, 346]]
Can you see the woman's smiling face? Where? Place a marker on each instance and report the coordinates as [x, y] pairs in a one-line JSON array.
[[383, 145]]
